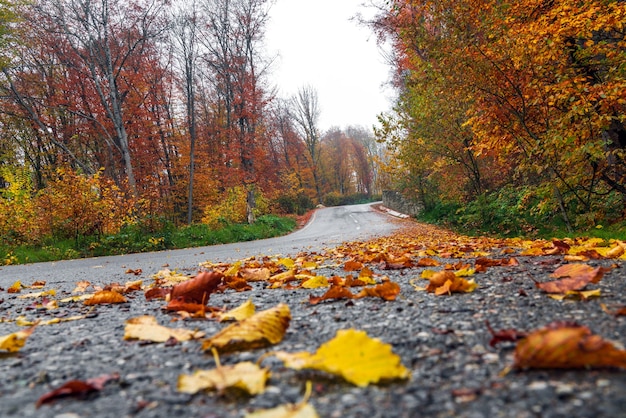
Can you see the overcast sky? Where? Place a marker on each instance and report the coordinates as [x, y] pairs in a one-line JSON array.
[[318, 45]]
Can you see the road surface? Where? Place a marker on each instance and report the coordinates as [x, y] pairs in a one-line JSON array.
[[328, 227]]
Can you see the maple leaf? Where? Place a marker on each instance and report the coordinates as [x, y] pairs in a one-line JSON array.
[[105, 297], [77, 388], [262, 329], [573, 277], [566, 346], [352, 354], [198, 288], [146, 328], [15, 341], [246, 376]]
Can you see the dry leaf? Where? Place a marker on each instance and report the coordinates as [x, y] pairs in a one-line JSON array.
[[105, 297], [13, 342], [572, 277], [315, 282], [77, 388], [36, 295], [352, 265], [300, 410], [241, 312], [352, 354], [335, 292], [428, 262], [566, 346], [15, 287], [255, 274], [179, 305], [386, 291], [81, 286], [199, 288], [146, 328], [446, 282], [246, 376], [262, 329]]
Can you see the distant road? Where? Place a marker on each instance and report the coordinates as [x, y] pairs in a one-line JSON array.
[[328, 227]]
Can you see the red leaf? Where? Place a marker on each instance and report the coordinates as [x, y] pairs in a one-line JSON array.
[[503, 335], [77, 388], [199, 288]]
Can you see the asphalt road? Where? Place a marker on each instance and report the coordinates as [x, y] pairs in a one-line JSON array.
[[327, 228]]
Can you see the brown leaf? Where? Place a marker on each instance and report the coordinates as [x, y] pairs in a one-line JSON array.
[[179, 304], [386, 291], [199, 288], [572, 277], [428, 262], [105, 297], [255, 274], [566, 346], [352, 265], [236, 283], [77, 388], [503, 335], [335, 292], [157, 293]]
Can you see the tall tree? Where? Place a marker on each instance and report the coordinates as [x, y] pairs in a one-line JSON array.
[[306, 113]]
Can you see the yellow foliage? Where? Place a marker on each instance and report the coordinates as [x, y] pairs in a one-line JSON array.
[[231, 207]]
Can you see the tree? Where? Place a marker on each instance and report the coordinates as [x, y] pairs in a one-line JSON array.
[[306, 113]]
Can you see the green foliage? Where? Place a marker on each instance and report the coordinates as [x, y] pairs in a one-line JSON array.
[[134, 239], [293, 204]]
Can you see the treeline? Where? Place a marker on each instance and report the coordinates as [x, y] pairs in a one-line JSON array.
[[152, 112], [511, 114]]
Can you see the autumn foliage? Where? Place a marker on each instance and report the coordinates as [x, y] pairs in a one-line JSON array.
[[521, 103]]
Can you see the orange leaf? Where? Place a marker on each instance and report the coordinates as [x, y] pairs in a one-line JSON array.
[[236, 283], [352, 265], [105, 297], [386, 291], [572, 277], [199, 288], [566, 346], [335, 292], [255, 274], [179, 304], [428, 262]]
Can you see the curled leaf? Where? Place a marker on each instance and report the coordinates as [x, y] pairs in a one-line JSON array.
[[77, 388], [241, 312], [199, 288], [386, 291], [105, 297], [246, 376], [15, 341], [572, 277], [262, 329], [566, 346]]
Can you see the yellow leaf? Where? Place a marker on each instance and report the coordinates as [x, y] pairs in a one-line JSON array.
[[13, 342], [309, 265], [315, 282], [23, 322], [233, 270], [243, 311], [246, 376], [77, 298], [353, 355], [15, 287], [146, 328], [427, 274], [577, 294], [283, 277], [262, 329], [466, 272], [167, 277], [287, 262], [105, 297]]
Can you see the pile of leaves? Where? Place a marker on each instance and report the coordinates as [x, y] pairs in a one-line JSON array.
[[451, 265]]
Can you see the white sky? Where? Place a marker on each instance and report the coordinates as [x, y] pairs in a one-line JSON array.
[[318, 45]]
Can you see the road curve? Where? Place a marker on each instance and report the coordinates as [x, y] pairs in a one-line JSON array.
[[328, 227]]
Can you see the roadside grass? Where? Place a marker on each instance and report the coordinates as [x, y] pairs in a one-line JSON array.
[[134, 239]]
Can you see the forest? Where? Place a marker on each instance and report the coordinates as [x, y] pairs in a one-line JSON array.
[[158, 113], [510, 114], [150, 113]]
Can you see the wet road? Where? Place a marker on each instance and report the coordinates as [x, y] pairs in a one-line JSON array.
[[328, 227]]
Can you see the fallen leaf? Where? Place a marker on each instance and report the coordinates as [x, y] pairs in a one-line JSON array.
[[15, 287], [447, 282], [504, 335], [428, 262], [335, 292], [246, 376], [236, 283], [352, 354], [241, 312], [146, 328], [38, 284], [81, 286], [199, 288], [260, 330], [179, 305], [255, 274], [35, 295], [105, 297], [576, 294], [77, 388], [14, 341], [386, 291], [352, 265], [566, 346], [572, 277], [315, 282]]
